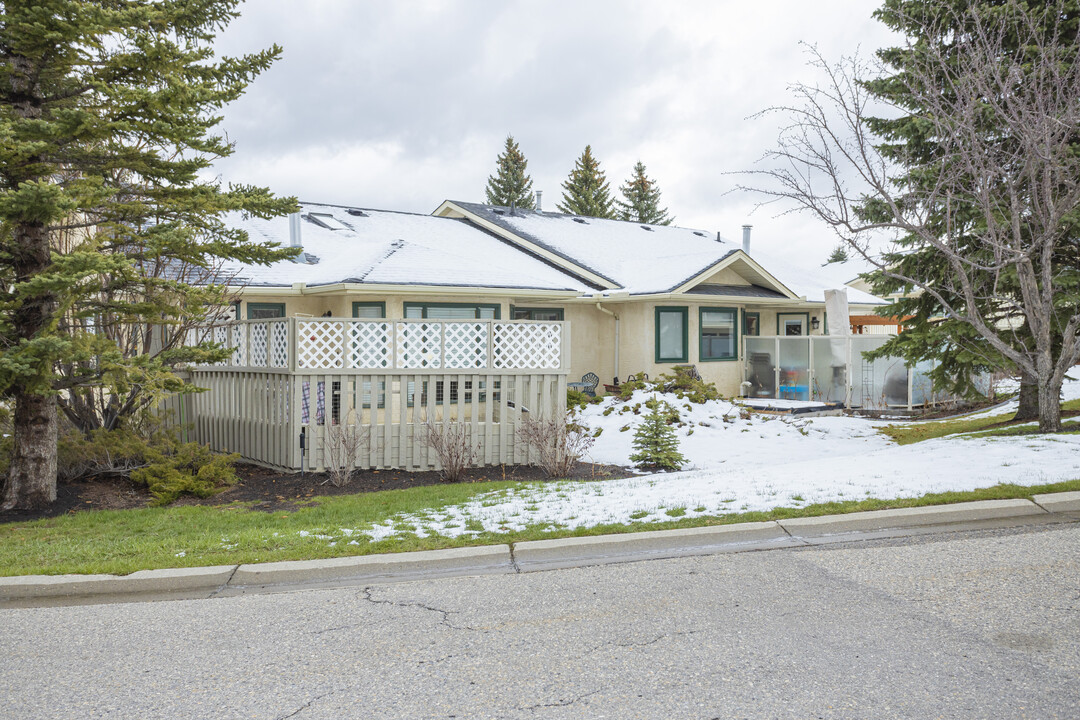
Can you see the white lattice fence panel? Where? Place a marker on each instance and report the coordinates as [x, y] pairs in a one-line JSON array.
[[238, 341], [527, 345], [260, 342], [465, 344], [220, 335], [369, 345], [279, 344], [319, 344], [418, 345]]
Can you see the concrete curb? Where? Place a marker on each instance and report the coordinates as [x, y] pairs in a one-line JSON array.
[[1059, 502], [598, 549], [875, 520], [225, 580], [172, 582], [483, 560]]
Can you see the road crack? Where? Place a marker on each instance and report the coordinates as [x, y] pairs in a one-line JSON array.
[[445, 614], [305, 706], [561, 703]]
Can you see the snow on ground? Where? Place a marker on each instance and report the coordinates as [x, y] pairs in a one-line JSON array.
[[741, 461]]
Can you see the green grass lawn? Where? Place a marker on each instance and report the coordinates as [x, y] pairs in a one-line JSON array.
[[917, 432], [123, 541]]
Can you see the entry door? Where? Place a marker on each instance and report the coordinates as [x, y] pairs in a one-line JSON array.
[[793, 324]]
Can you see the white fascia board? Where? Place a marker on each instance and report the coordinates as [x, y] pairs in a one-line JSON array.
[[449, 209], [390, 289]]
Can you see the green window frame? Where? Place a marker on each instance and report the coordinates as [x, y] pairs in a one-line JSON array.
[[746, 323], [380, 306], [530, 313], [710, 346], [804, 315], [425, 307], [253, 308], [660, 313]]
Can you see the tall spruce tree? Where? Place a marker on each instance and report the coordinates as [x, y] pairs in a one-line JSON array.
[[107, 114], [641, 199], [586, 191], [510, 184], [959, 353]]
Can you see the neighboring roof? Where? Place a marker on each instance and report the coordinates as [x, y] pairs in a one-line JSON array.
[[395, 248]]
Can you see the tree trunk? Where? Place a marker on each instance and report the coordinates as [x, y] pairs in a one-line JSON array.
[[1049, 407], [1029, 399], [31, 479]]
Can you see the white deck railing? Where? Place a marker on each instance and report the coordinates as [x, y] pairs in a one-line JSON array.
[[318, 344]]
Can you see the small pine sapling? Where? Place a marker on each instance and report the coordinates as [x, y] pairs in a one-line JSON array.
[[656, 443]]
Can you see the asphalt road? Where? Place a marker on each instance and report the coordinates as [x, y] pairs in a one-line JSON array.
[[974, 625]]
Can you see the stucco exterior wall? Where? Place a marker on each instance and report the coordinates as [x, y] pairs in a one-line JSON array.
[[592, 331]]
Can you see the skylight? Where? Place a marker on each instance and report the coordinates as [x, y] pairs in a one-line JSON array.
[[583, 221], [327, 221], [356, 212], [646, 227], [699, 234]]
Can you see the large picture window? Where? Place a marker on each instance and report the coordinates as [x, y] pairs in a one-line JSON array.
[[719, 338], [671, 334], [450, 311]]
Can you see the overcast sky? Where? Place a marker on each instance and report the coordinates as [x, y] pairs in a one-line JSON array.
[[399, 105]]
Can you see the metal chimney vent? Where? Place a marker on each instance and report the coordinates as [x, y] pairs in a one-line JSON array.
[[746, 238]]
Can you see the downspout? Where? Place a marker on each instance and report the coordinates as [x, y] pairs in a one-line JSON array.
[[603, 309]]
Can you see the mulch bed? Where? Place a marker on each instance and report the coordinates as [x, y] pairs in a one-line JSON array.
[[273, 491]]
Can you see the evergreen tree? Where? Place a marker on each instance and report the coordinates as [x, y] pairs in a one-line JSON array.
[[960, 354], [586, 191], [641, 202], [107, 113], [655, 441], [510, 183], [838, 255]]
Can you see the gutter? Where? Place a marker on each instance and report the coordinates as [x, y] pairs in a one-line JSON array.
[[603, 309]]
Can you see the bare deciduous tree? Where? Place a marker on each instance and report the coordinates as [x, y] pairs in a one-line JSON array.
[[995, 204]]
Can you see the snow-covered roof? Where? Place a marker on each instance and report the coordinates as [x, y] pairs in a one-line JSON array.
[[645, 259], [359, 245], [637, 258]]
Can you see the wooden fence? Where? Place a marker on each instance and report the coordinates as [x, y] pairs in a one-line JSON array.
[[290, 416]]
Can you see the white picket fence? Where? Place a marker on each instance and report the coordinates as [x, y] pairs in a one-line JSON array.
[[300, 381]]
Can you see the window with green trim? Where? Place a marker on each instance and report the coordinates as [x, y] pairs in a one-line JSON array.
[[263, 311], [671, 334], [751, 323], [719, 335], [520, 313], [451, 311], [369, 310]]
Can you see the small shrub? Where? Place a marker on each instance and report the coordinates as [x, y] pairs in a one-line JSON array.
[[344, 443], [578, 399], [656, 444], [558, 443], [452, 446], [686, 384]]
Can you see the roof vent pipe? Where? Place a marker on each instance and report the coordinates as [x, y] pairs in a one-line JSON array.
[[513, 206], [539, 195], [294, 230], [746, 238]]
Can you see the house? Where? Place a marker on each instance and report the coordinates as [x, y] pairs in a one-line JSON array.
[[638, 298], [391, 322]]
